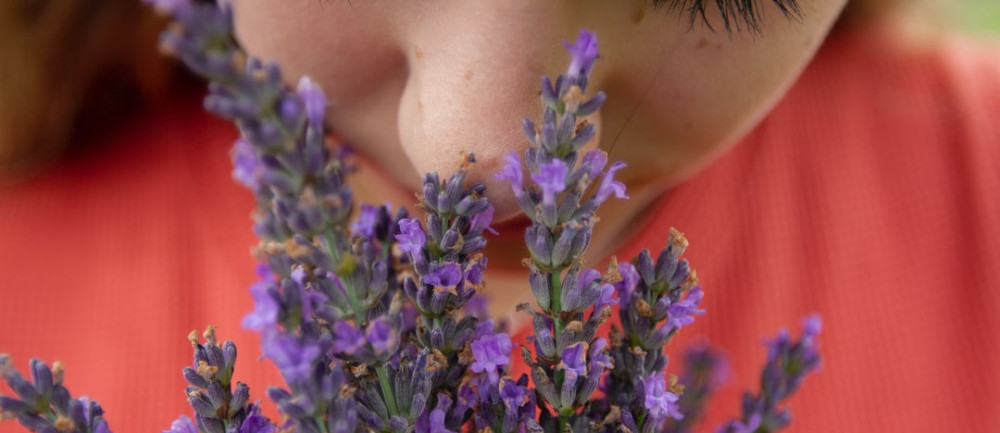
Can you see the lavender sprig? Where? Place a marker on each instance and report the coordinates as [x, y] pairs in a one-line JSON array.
[[656, 298], [328, 305], [445, 253], [570, 361], [44, 405], [218, 407], [788, 363]]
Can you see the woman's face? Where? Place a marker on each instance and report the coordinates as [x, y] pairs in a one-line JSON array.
[[414, 83]]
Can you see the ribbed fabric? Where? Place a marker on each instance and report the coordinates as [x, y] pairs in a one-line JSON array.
[[871, 195]]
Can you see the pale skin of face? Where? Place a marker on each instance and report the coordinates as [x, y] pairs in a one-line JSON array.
[[413, 84]]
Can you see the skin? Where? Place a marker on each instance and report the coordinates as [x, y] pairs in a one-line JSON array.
[[415, 83]]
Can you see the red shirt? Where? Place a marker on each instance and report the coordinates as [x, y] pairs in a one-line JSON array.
[[871, 194]]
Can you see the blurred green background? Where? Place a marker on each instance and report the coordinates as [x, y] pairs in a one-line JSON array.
[[982, 16]]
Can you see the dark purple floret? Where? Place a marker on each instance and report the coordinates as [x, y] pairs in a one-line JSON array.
[[256, 423], [381, 336], [512, 394], [574, 361], [434, 422], [347, 338], [367, 220], [482, 219], [446, 275]]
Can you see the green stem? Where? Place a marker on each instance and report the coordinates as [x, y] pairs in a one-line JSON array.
[[331, 246], [390, 398], [352, 298], [320, 423], [338, 260], [556, 279]]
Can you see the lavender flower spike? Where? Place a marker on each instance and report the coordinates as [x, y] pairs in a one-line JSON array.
[[573, 303], [788, 363], [44, 404]]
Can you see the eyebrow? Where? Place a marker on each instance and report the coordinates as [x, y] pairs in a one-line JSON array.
[[736, 14]]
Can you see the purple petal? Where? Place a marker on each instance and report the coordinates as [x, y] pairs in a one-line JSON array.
[[314, 101], [584, 52]]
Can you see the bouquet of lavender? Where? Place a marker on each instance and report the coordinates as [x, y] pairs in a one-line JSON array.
[[370, 319]]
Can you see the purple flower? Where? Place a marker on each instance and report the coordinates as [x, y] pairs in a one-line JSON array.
[[584, 53], [347, 338], [682, 312], [256, 423], [574, 361], [491, 353], [293, 357], [482, 220], [299, 275], [598, 356], [512, 173], [594, 161], [247, 169], [660, 402], [381, 336], [474, 271], [368, 218], [447, 275], [811, 327], [551, 177], [630, 277], [411, 237], [314, 101], [182, 425], [512, 394], [609, 185], [290, 110], [265, 313], [434, 422]]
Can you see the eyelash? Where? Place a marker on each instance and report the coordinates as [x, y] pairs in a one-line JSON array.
[[736, 14]]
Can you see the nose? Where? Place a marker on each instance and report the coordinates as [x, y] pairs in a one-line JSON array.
[[474, 71]]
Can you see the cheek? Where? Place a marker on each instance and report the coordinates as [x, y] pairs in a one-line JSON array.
[[694, 93]]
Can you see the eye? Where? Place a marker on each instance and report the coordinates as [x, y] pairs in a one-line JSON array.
[[736, 15]]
